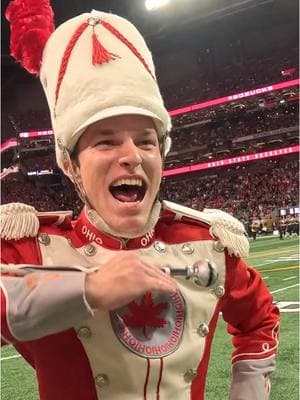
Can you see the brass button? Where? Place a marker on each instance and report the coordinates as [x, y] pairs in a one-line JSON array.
[[187, 248], [84, 332], [219, 291], [102, 380], [89, 250], [44, 239], [203, 330], [190, 375], [218, 246], [160, 247]]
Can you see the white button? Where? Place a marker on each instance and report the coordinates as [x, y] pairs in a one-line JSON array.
[[190, 375], [84, 332], [102, 380], [187, 248], [89, 250], [218, 246], [219, 291], [203, 330], [44, 239], [160, 247]]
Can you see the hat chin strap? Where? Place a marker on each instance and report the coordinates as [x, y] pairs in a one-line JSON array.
[[72, 175], [98, 221], [101, 225]]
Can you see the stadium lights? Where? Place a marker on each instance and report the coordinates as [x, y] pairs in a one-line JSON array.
[[152, 5]]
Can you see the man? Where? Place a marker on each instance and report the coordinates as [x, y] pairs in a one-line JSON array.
[[123, 303]]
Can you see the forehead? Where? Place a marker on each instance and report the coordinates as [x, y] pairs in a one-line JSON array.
[[122, 123]]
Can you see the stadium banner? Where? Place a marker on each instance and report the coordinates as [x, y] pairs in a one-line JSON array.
[[231, 161], [234, 97]]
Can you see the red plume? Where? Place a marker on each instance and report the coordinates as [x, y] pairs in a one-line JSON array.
[[31, 24]]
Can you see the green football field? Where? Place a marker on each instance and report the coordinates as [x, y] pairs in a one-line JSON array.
[[278, 262]]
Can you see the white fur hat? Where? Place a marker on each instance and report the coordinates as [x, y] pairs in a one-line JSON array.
[[95, 66]]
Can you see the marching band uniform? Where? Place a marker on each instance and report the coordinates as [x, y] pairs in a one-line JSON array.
[[93, 67], [80, 353]]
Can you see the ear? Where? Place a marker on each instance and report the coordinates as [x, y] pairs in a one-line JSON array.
[[72, 170]]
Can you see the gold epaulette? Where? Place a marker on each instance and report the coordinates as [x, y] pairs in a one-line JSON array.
[[224, 227]]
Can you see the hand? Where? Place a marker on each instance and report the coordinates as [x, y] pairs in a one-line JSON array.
[[124, 278]]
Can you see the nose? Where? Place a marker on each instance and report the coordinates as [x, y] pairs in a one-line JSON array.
[[129, 154]]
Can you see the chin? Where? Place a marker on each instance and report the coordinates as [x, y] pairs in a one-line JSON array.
[[132, 226]]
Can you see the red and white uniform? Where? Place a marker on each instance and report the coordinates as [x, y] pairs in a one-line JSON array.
[[157, 347]]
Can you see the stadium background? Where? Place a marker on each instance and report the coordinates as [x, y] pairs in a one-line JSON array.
[[229, 76]]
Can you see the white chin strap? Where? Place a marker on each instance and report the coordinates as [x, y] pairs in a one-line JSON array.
[[101, 225]]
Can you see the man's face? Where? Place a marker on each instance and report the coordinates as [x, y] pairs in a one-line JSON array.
[[120, 168]]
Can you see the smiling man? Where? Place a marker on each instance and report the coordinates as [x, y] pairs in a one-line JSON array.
[[119, 165], [122, 303]]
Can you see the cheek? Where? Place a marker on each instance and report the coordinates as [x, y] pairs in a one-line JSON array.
[[89, 172], [157, 171]]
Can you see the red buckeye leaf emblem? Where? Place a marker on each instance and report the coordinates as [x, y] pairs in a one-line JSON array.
[[146, 314]]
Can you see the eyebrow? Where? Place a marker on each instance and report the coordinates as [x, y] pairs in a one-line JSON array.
[[105, 132], [109, 132]]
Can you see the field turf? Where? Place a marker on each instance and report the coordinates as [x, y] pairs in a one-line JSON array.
[[278, 262]]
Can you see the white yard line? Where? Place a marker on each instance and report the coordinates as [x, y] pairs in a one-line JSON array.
[[10, 357], [291, 277], [265, 277], [281, 259], [261, 265], [285, 288]]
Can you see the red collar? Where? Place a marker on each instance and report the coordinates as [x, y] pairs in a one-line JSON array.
[[87, 232]]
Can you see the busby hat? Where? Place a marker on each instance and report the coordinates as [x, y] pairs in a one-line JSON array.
[[94, 66]]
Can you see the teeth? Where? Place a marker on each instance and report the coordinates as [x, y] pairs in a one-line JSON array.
[[128, 181]]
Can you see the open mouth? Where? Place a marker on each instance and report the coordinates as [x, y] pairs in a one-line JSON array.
[[128, 190]]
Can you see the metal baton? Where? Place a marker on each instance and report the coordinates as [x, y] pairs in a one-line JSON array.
[[203, 272]]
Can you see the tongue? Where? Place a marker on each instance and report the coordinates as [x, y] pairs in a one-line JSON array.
[[125, 196]]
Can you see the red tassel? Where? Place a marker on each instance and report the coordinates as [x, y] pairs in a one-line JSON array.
[[100, 54]]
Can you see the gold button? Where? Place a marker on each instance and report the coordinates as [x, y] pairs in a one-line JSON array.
[[219, 291], [84, 332], [203, 330], [187, 248], [190, 375], [44, 239], [218, 246], [89, 250], [102, 380], [160, 247]]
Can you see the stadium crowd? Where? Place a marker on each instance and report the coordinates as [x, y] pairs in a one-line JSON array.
[[246, 191], [232, 126], [243, 74]]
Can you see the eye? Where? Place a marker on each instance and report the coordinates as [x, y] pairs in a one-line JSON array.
[[105, 143], [147, 143]]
